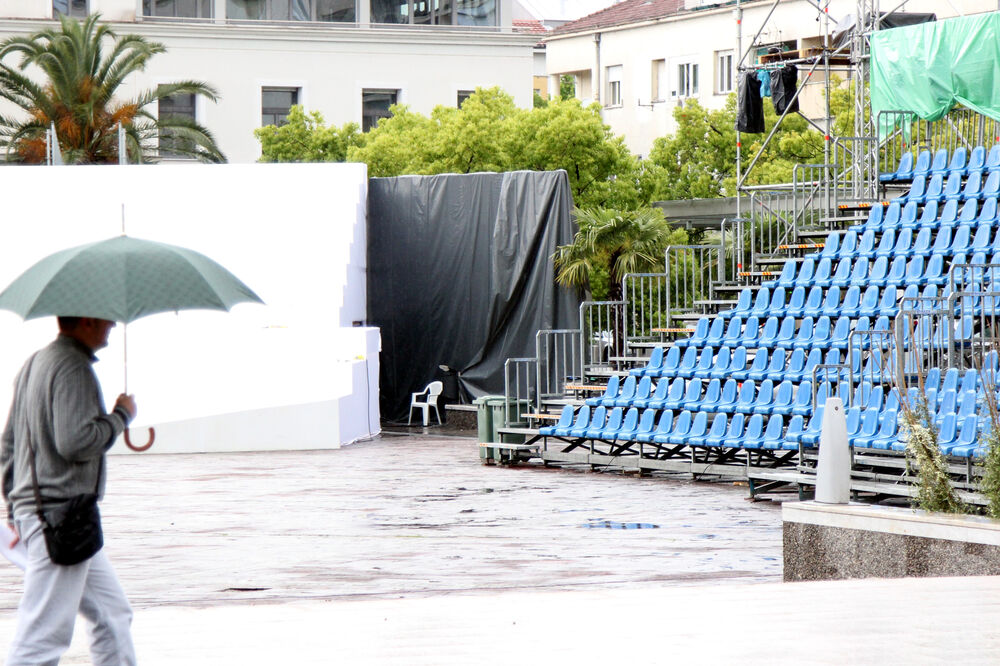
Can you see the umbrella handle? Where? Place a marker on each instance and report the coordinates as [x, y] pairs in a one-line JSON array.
[[128, 440]]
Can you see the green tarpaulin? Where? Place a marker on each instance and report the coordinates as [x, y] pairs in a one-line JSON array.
[[927, 69]]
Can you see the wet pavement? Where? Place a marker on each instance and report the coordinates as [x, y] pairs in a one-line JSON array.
[[404, 516]]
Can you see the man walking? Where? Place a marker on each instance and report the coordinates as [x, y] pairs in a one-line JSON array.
[[58, 411]]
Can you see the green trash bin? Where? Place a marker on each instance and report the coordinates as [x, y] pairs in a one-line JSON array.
[[503, 419], [484, 417]]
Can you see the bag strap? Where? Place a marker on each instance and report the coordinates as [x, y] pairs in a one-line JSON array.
[[31, 459]]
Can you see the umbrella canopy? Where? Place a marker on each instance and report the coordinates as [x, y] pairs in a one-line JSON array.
[[122, 279]]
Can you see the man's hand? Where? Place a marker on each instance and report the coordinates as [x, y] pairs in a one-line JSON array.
[[127, 402], [17, 537]]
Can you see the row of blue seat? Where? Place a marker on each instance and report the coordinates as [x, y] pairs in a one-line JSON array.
[[957, 187], [711, 363], [881, 271], [873, 302], [949, 241], [931, 215], [962, 161]]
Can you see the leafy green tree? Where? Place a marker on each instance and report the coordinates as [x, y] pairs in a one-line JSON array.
[[83, 64], [306, 138], [567, 87], [614, 243]]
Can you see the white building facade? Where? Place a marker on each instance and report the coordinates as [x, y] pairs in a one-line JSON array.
[[348, 59], [641, 59]]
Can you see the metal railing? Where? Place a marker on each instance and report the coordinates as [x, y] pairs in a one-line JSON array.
[[856, 177], [602, 342], [558, 362], [645, 308], [691, 273], [520, 377], [905, 133]]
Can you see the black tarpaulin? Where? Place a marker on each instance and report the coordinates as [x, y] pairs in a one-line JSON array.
[[750, 115], [784, 83], [460, 274]]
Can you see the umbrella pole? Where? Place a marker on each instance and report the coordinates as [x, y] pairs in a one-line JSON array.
[[127, 434]]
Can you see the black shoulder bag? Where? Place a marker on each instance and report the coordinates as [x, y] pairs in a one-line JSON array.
[[74, 532]]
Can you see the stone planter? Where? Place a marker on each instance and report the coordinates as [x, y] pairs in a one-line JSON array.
[[836, 541]]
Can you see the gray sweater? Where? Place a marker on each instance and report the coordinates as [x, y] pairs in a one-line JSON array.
[[58, 400]]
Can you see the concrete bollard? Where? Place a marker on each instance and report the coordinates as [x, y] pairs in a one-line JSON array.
[[833, 473]]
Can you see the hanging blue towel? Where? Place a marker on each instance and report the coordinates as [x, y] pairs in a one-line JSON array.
[[765, 83]]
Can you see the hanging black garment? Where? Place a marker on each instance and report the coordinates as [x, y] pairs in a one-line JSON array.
[[751, 113], [784, 82]]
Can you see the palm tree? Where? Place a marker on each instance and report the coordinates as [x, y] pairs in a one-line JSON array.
[[77, 95], [616, 241]]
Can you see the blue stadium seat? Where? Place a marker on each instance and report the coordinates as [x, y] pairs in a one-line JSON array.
[[583, 419], [609, 392], [866, 246], [904, 170], [734, 430], [867, 430], [713, 392], [848, 244], [692, 396], [993, 159], [886, 243], [887, 432], [675, 394], [625, 394], [922, 166], [892, 215], [609, 428], [641, 392], [686, 366], [977, 160], [629, 427], [973, 186], [768, 333], [917, 192], [776, 307], [947, 433], [696, 340], [663, 426], [682, 424], [953, 186], [728, 398], [762, 401], [787, 368], [652, 367], [715, 333], [822, 331], [743, 305], [928, 216], [773, 438], [784, 397], [981, 240], [908, 217], [842, 275], [878, 272], [813, 303], [839, 338], [737, 363], [786, 278], [831, 303], [868, 396], [861, 325], [796, 302], [988, 213], [959, 160], [814, 358], [949, 214], [874, 221], [935, 273], [831, 245], [754, 430], [805, 273], [940, 163], [942, 240], [968, 439], [913, 272], [744, 399], [789, 336], [760, 362], [647, 425], [656, 398], [796, 426], [968, 213], [992, 186], [859, 276], [671, 360], [810, 436], [922, 243], [803, 399], [739, 331], [779, 361], [564, 423], [761, 302], [822, 273], [717, 432], [960, 240], [868, 307]]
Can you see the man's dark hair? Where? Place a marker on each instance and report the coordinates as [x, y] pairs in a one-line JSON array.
[[67, 324]]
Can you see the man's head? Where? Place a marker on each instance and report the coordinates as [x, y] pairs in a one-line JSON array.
[[91, 332]]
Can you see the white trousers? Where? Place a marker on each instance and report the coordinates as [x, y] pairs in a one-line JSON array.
[[54, 594]]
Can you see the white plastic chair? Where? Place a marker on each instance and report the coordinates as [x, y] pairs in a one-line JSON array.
[[432, 391]]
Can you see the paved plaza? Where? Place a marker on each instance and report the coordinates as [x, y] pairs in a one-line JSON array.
[[407, 550]]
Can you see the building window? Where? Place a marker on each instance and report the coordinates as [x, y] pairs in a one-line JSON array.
[[687, 79], [723, 72], [464, 95], [336, 11], [435, 12], [275, 104], [614, 78], [177, 8], [175, 106], [658, 85], [375, 105], [75, 8]]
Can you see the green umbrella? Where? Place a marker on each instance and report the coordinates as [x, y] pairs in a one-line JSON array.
[[122, 279]]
